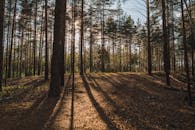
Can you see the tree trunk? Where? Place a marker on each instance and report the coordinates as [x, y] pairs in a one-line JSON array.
[[186, 55], [91, 43], [46, 44], [35, 38], [55, 82], [148, 40], [2, 4], [63, 41], [81, 39], [166, 48], [40, 47], [8, 40], [103, 40], [73, 45]]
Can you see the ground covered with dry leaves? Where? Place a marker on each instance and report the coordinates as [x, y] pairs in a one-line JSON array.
[[107, 101]]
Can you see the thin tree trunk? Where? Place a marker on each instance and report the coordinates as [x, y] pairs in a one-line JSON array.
[[40, 48], [35, 39], [91, 42], [46, 44], [103, 40], [148, 40], [65, 41], [81, 39], [73, 45], [8, 40], [2, 4], [14, 58], [21, 51]]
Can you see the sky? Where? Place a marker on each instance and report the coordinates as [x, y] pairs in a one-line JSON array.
[[135, 8]]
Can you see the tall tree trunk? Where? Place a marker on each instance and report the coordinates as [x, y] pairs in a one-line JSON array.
[[14, 58], [63, 41], [73, 45], [40, 47], [21, 51], [189, 11], [55, 82], [46, 44], [148, 40], [81, 39], [12, 38], [2, 4], [91, 43], [35, 38], [166, 47], [186, 54], [8, 40], [102, 40]]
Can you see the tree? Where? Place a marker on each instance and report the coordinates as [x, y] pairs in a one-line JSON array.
[[2, 4], [35, 37], [46, 44], [186, 54], [58, 44], [148, 40], [81, 38], [166, 45]]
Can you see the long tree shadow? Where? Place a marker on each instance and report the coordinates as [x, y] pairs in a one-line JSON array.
[[41, 114], [37, 116], [63, 98], [72, 107], [118, 109], [97, 106]]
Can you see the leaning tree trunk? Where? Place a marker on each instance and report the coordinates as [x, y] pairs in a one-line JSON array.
[[55, 82], [2, 3]]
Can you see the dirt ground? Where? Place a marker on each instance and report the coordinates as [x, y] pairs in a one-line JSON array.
[[108, 101]]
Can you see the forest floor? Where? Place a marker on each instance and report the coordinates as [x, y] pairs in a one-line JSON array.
[[99, 101]]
